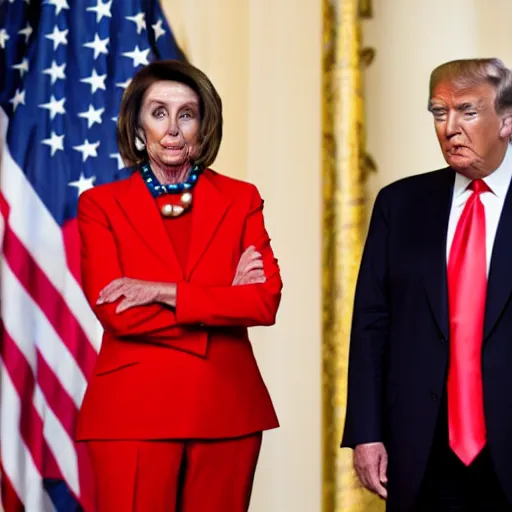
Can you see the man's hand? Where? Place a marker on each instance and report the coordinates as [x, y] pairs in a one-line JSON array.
[[250, 268], [371, 465]]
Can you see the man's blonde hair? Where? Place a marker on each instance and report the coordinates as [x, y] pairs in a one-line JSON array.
[[467, 73]]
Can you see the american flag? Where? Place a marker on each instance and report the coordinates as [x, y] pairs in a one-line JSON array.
[[63, 67]]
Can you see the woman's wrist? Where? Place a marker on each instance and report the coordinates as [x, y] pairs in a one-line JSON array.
[[166, 293]]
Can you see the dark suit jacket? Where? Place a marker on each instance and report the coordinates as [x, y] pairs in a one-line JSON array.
[[399, 343]]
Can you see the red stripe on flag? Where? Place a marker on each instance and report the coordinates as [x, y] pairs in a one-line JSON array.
[[31, 424], [4, 207], [56, 396], [49, 300], [64, 408], [10, 500]]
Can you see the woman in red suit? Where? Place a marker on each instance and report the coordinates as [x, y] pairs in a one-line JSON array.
[[177, 264]]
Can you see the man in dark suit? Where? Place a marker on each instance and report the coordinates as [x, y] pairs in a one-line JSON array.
[[429, 410]]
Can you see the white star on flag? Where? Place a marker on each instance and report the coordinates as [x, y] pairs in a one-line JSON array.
[[59, 4], [124, 85], [58, 37], [83, 183], [95, 81], [56, 143], [117, 156], [138, 56], [4, 36], [22, 67], [157, 28], [55, 106], [92, 115], [114, 119], [55, 71], [139, 20], [27, 32], [98, 45], [17, 99], [87, 149], [101, 10]]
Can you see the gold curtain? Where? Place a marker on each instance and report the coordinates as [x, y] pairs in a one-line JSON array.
[[345, 166]]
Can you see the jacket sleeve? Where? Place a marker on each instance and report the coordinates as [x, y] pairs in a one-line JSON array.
[[100, 266], [369, 337], [244, 305]]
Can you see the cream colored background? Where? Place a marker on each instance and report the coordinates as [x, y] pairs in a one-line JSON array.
[[265, 58]]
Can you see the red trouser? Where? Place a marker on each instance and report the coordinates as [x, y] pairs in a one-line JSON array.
[[171, 476]]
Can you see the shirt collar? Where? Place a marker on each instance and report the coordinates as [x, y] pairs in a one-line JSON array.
[[498, 181]]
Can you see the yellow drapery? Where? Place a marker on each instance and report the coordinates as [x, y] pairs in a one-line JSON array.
[[345, 166]]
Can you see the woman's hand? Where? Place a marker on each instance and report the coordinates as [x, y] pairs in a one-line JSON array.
[[137, 293], [250, 268]]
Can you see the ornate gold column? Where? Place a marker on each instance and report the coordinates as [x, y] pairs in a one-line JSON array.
[[345, 166]]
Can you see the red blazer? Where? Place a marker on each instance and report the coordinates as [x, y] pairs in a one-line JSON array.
[[188, 372]]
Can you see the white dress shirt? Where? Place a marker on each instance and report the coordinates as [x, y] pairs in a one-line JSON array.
[[498, 182]]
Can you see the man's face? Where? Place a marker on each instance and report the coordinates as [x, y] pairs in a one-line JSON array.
[[472, 136]]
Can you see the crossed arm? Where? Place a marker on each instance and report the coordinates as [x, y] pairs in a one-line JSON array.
[[130, 307], [129, 293]]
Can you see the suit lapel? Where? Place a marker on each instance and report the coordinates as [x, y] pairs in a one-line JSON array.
[[499, 285], [209, 208], [436, 212], [142, 212]]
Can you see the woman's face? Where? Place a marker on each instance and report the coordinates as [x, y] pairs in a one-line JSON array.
[[170, 121]]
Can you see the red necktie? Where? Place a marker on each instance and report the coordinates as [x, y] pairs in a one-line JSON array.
[[467, 288]]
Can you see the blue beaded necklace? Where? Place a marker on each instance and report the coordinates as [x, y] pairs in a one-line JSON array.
[[157, 190]]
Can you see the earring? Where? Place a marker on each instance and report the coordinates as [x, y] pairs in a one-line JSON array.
[[139, 145]]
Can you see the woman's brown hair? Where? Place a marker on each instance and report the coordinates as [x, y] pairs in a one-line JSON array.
[[210, 131]]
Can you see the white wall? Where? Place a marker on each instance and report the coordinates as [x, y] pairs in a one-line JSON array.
[[264, 56], [214, 36], [284, 161]]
